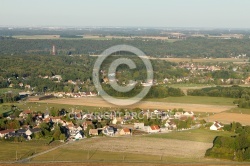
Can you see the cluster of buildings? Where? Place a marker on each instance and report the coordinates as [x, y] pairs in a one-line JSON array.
[[79, 123]]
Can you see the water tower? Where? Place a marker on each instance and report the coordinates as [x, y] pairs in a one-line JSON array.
[[53, 50]]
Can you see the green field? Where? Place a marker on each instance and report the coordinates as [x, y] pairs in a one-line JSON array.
[[84, 156], [43, 107], [196, 100], [11, 150], [198, 135], [70, 153], [239, 110]]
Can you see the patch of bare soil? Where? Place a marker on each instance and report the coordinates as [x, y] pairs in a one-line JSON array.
[[99, 102]]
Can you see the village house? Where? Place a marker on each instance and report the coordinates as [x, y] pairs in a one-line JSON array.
[[125, 131], [93, 132], [4, 133], [170, 125], [216, 126], [109, 130], [25, 113], [86, 123], [247, 81], [56, 119], [152, 129], [117, 120], [138, 125]]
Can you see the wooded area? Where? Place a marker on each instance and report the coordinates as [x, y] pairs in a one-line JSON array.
[[191, 47]]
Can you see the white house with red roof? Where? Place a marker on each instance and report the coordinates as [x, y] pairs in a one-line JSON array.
[[216, 126], [152, 129]]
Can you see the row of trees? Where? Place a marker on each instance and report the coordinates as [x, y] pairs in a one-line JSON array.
[[241, 93], [155, 92]]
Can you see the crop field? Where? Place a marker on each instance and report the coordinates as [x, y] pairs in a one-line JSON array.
[[203, 60], [44, 107], [226, 117], [197, 135], [109, 37], [156, 149], [37, 37], [197, 100], [239, 110], [162, 148], [128, 148], [99, 102], [12, 150]]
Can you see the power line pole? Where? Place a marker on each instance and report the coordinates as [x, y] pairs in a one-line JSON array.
[[16, 155]]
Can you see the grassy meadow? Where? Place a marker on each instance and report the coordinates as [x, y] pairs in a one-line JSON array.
[[20, 150], [196, 100], [197, 135]]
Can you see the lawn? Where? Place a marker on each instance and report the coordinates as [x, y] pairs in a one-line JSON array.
[[196, 100], [11, 150], [198, 135]]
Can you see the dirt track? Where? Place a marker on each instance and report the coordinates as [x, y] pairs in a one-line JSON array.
[[99, 102]]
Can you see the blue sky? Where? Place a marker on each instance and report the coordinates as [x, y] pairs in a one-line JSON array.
[[143, 13]]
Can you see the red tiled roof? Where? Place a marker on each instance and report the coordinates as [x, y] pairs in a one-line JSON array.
[[27, 112], [154, 127], [126, 130], [7, 131]]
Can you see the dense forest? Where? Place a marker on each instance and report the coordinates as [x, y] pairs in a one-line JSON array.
[[191, 47], [236, 147]]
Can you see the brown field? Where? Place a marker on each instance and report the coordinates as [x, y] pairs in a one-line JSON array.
[[99, 102], [128, 37], [203, 60], [37, 37], [226, 117]]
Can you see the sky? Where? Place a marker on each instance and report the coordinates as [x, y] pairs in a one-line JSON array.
[[126, 13]]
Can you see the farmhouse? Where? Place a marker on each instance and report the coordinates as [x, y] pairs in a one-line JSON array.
[[152, 129], [3, 133], [138, 125], [109, 130], [93, 132], [216, 126], [125, 131]]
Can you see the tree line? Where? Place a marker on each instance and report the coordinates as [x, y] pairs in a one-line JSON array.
[[242, 94]]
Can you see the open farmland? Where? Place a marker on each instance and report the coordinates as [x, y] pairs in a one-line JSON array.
[[99, 102], [226, 117], [37, 37], [21, 150], [197, 135], [203, 60], [128, 148]]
